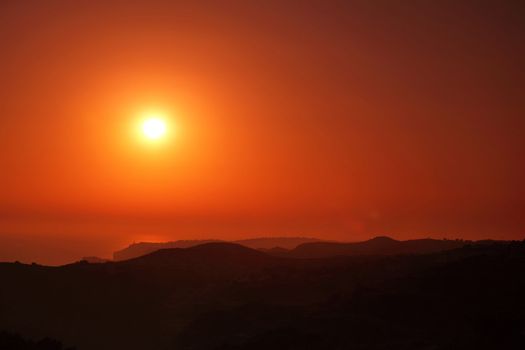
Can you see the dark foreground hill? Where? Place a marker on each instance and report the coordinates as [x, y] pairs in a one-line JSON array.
[[225, 296], [10, 341]]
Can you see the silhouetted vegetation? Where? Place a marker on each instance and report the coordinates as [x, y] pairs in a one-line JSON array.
[[11, 341], [225, 296]]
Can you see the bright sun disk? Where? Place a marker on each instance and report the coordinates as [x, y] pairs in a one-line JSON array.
[[154, 128]]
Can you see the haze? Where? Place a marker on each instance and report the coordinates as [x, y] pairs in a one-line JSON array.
[[340, 120]]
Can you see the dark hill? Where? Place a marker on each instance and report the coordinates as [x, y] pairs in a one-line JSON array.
[[374, 246], [225, 259], [139, 249], [142, 248], [275, 242], [226, 296]]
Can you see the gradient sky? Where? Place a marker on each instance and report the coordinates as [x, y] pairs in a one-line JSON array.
[[336, 119]]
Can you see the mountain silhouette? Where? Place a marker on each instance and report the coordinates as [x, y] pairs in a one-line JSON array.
[[227, 296], [375, 246], [209, 259], [297, 247], [142, 248], [94, 259], [10, 341], [139, 249], [275, 242]]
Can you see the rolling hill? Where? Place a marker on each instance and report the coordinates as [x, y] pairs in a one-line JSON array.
[[374, 246], [139, 249], [229, 297]]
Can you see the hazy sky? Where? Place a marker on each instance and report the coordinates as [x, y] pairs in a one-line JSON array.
[[336, 119]]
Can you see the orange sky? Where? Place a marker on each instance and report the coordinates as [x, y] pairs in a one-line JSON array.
[[335, 119]]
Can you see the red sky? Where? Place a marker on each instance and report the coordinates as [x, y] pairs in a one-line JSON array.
[[336, 119]]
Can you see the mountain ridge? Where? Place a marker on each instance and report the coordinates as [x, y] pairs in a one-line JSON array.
[[381, 245], [306, 247], [142, 248]]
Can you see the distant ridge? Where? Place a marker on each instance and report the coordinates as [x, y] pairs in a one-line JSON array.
[[210, 251], [299, 247], [263, 243], [275, 242], [376, 246], [94, 260], [210, 259], [142, 248]]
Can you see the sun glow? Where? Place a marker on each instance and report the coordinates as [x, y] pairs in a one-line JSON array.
[[154, 128]]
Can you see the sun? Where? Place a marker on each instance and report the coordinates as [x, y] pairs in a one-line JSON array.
[[154, 128]]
